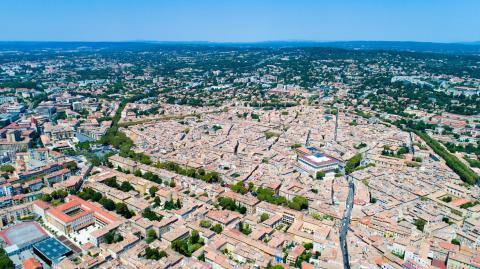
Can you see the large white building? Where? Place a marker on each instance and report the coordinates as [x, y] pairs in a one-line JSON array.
[[311, 160]]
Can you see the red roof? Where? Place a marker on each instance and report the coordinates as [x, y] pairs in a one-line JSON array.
[[59, 214], [365, 221], [297, 251], [306, 265], [459, 202], [448, 246], [41, 204], [31, 263], [58, 173], [303, 150], [379, 261], [439, 264], [70, 182], [87, 207]]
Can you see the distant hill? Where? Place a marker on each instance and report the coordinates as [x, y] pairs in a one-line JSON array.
[[448, 48], [451, 48]]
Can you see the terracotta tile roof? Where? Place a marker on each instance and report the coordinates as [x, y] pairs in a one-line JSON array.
[[87, 207], [31, 263]]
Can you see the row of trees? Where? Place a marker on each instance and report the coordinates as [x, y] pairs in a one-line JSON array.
[[473, 163], [149, 214], [272, 105], [267, 195], [148, 175], [353, 163], [217, 228], [154, 254], [469, 148], [207, 176], [297, 203], [227, 203], [112, 182], [58, 195], [120, 208], [239, 187], [119, 140], [170, 204], [465, 173], [398, 154]]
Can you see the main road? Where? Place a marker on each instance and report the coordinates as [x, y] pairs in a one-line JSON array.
[[346, 221]]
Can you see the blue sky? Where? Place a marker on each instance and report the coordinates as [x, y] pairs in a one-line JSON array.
[[240, 20]]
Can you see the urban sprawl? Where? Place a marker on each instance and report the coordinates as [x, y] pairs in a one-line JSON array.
[[193, 156]]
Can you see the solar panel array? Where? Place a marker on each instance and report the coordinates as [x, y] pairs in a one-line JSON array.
[[52, 249]]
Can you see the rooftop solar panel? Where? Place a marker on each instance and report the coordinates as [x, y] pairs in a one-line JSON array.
[[52, 249]]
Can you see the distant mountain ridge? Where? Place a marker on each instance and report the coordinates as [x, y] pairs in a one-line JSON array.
[[448, 48], [453, 48]]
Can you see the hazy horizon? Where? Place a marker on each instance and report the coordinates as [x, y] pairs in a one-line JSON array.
[[240, 21], [475, 42]]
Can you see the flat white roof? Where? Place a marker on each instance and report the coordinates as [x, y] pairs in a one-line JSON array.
[[11, 249], [318, 159]]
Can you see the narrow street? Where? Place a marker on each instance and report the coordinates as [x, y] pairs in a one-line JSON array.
[[346, 221]]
